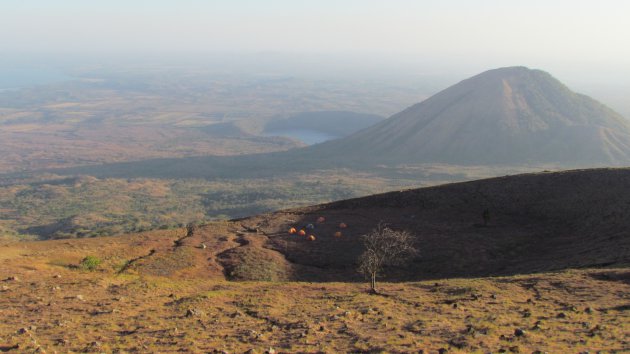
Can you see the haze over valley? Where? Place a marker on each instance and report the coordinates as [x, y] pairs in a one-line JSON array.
[[314, 177]]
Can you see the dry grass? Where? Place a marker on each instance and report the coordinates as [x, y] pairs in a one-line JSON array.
[[136, 312]]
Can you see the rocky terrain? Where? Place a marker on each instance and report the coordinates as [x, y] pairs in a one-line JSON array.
[[547, 272]]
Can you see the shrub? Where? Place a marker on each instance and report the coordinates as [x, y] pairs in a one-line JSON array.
[[90, 263]]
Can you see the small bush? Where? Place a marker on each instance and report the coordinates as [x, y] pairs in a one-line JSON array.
[[90, 263]]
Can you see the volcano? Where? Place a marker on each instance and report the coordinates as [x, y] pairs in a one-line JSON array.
[[511, 115]]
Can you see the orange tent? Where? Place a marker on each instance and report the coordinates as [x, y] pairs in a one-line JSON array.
[[302, 233], [292, 230], [342, 225], [311, 238], [338, 234], [321, 219]]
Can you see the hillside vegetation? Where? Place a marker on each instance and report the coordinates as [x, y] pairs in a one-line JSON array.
[[83, 206], [556, 244]]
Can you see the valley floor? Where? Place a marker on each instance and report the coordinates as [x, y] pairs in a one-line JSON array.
[[49, 307]]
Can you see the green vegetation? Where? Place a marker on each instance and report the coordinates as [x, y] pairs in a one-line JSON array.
[[53, 206], [73, 207], [90, 263]]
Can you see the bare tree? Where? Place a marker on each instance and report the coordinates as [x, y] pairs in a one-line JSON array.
[[383, 247]]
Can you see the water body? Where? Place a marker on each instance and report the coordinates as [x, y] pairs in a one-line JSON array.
[[307, 136]]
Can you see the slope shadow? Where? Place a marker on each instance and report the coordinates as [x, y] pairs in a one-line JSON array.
[[623, 277], [537, 223]]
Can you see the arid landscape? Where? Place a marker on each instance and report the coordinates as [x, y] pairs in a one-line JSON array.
[[314, 176], [100, 118], [167, 291]]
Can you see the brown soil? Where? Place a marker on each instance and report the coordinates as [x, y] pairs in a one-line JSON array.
[[165, 291]]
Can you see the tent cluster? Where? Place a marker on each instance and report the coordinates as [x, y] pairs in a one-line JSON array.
[[309, 228]]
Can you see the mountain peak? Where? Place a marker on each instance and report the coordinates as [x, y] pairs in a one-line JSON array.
[[511, 115]]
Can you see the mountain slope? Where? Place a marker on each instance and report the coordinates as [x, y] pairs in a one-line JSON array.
[[538, 222], [504, 116]]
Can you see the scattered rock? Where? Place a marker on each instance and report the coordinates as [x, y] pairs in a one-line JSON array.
[[4, 288], [515, 349], [22, 330], [519, 332], [459, 343], [588, 310], [596, 330], [561, 315], [56, 276], [7, 348], [270, 351], [79, 297], [12, 278], [194, 313], [442, 351], [94, 346], [493, 296]]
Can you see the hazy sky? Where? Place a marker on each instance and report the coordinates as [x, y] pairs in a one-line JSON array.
[[557, 35]]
